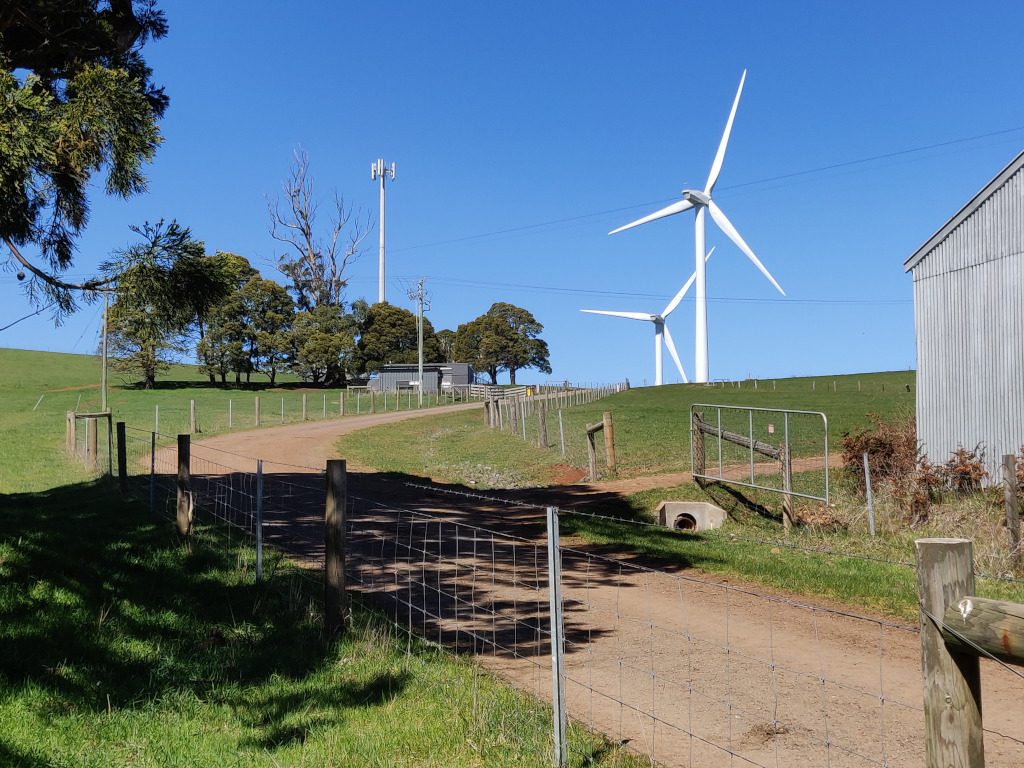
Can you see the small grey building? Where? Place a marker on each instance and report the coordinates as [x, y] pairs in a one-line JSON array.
[[436, 376], [969, 323]]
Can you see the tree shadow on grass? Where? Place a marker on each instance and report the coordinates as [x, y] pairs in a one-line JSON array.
[[103, 607]]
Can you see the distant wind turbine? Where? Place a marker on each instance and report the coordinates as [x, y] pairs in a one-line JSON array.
[[701, 201], [660, 329]]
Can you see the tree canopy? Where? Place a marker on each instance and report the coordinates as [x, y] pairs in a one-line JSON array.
[[387, 334], [76, 99], [505, 338], [165, 286]]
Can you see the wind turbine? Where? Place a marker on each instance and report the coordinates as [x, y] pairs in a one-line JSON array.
[[660, 329], [701, 201]]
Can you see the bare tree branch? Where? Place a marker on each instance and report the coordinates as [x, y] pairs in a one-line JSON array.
[[316, 265]]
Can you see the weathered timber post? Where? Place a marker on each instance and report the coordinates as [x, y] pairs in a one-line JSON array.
[[335, 605], [152, 472], [488, 416], [697, 441], [341, 403], [324, 413], [542, 423], [373, 402], [1012, 501], [69, 432], [257, 410], [303, 406], [513, 418], [591, 430], [952, 680], [184, 513], [92, 428], [122, 459], [609, 441], [787, 486], [992, 627], [229, 413], [192, 417]]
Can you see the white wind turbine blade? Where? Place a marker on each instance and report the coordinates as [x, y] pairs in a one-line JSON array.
[[726, 226], [716, 166], [630, 315], [669, 210], [682, 291], [675, 355]]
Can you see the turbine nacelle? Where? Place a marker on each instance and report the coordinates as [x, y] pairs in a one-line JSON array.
[[696, 197]]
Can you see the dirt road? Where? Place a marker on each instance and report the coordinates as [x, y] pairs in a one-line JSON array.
[[684, 668]]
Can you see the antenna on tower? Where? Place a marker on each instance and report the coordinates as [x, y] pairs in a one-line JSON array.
[[378, 170]]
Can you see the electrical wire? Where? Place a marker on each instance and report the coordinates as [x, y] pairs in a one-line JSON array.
[[26, 317]]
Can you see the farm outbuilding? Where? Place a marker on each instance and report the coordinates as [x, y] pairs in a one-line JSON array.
[[969, 321], [436, 376]]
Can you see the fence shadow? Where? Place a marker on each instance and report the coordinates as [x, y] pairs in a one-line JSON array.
[[102, 607]]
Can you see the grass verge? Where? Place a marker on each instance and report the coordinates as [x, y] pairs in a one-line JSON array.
[[119, 645]]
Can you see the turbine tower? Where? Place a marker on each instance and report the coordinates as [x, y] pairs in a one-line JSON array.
[[661, 332], [380, 171], [701, 201]]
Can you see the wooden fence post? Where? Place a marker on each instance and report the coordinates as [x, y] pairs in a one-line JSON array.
[[192, 417], [591, 457], [1010, 491], [542, 420], [184, 514], [122, 458], [609, 441], [335, 606], [513, 418], [303, 406], [487, 413], [341, 403], [92, 428], [257, 410], [952, 681], [69, 432]]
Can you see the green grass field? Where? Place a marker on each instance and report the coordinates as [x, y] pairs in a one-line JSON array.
[[652, 432], [33, 428]]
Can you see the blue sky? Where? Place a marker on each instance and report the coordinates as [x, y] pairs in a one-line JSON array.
[[523, 132]]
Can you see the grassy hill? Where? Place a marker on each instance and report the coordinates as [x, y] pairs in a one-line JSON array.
[[38, 388], [652, 428]]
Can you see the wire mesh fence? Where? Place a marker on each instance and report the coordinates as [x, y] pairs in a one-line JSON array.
[[681, 669]]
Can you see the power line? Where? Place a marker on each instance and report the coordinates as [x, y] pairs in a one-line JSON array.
[[754, 182], [26, 317]]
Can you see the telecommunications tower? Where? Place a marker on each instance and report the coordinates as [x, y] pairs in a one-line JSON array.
[[379, 170]]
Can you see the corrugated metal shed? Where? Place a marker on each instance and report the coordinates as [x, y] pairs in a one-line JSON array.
[[435, 376], [969, 320]]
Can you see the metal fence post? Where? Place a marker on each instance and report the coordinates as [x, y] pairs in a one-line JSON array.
[[259, 521], [561, 432], [952, 681], [152, 472], [870, 496], [557, 639]]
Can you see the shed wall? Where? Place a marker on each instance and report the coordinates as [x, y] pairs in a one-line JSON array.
[[969, 317]]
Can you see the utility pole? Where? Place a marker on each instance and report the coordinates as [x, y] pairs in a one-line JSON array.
[[416, 294], [103, 347], [379, 171]]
